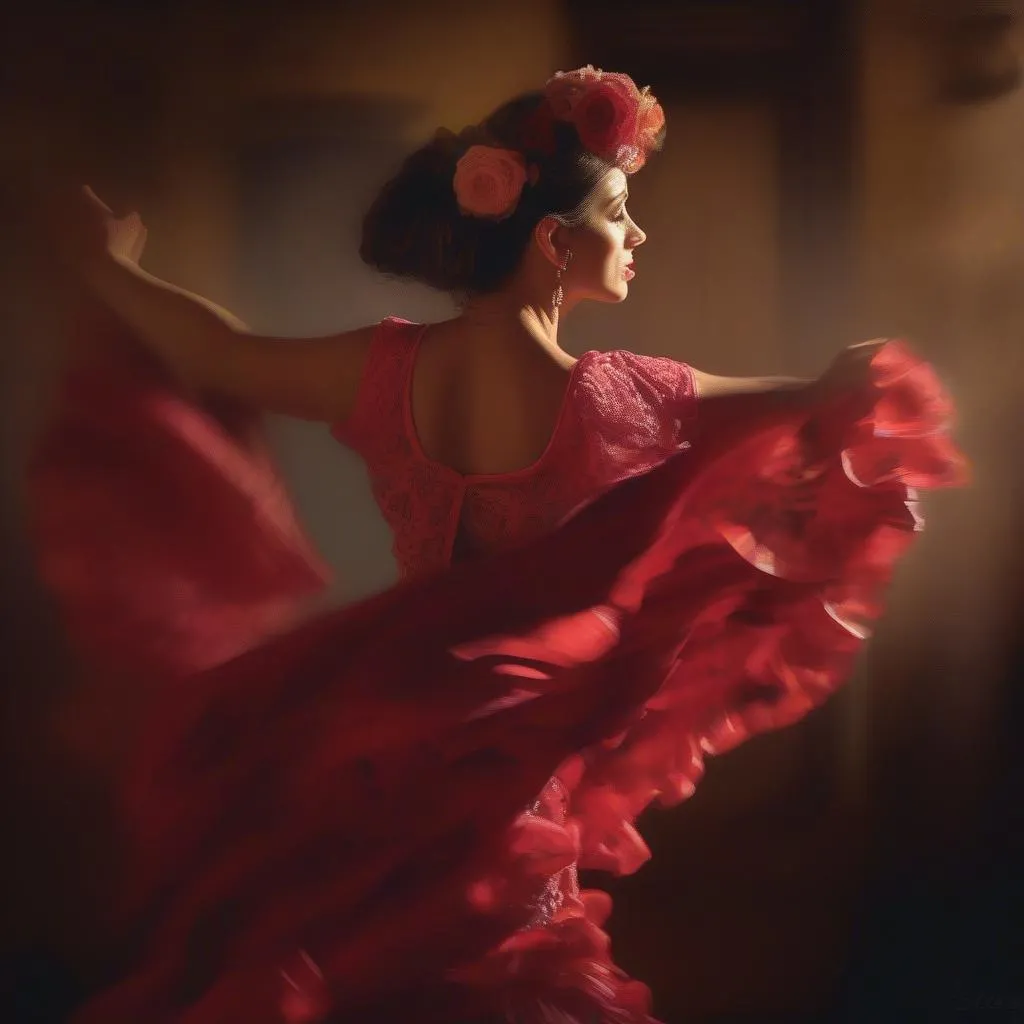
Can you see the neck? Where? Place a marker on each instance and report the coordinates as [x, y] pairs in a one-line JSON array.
[[505, 318]]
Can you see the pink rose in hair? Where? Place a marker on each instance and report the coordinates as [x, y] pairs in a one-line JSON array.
[[605, 116], [629, 159], [564, 88], [651, 118], [488, 181], [613, 118], [649, 124], [627, 83]]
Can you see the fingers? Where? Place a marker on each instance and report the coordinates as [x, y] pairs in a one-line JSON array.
[[864, 349], [95, 201], [127, 237]]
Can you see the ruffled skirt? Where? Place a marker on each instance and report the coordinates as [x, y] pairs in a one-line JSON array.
[[379, 814]]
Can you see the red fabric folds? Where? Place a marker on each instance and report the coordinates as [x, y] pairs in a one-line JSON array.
[[336, 821], [163, 529]]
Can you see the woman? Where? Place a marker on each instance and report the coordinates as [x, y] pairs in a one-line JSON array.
[[613, 566]]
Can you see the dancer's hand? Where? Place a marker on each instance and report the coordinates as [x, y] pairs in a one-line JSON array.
[[850, 372], [77, 226]]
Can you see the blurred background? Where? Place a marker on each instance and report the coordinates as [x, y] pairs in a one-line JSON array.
[[834, 171]]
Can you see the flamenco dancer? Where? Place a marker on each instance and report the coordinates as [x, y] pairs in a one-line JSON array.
[[613, 567]]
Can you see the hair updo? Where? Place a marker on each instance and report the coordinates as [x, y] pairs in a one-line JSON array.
[[414, 228]]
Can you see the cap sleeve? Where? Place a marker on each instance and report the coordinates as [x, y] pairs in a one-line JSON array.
[[650, 401], [378, 404]]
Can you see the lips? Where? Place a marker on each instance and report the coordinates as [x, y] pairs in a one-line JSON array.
[[629, 273]]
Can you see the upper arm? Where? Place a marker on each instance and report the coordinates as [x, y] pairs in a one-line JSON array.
[[711, 386], [309, 378], [730, 402], [212, 353]]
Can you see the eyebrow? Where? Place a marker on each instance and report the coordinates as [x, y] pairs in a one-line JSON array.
[[624, 194]]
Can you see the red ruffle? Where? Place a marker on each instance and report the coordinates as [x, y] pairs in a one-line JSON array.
[[164, 531], [335, 819]]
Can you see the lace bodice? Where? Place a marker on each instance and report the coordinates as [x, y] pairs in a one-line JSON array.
[[621, 415]]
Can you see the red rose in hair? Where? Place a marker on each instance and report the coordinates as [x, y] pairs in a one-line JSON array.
[[650, 122], [613, 118], [564, 88], [605, 116]]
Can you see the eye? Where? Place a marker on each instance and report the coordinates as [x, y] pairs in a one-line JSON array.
[[621, 215]]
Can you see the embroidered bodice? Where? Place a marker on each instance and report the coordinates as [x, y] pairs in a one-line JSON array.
[[622, 414]]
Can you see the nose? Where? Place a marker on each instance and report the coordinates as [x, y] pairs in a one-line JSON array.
[[638, 237]]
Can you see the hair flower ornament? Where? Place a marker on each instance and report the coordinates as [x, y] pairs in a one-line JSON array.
[[613, 118], [489, 181]]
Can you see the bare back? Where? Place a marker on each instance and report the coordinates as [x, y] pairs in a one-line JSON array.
[[482, 407]]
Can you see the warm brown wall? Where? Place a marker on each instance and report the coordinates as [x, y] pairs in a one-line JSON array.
[[742, 909]]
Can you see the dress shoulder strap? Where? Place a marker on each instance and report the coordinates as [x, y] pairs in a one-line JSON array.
[[377, 414]]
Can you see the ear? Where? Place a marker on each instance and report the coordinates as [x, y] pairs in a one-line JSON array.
[[548, 236]]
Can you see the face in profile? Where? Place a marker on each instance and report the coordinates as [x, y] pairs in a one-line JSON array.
[[602, 245]]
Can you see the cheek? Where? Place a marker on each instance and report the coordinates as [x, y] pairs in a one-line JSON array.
[[614, 248], [608, 247], [598, 259]]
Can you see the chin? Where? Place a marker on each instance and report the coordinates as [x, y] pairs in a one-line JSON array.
[[614, 292], [611, 295]]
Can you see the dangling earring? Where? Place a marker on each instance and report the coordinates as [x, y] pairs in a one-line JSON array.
[[559, 296]]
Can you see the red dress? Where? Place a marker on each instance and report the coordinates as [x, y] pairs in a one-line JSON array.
[[622, 414], [378, 815]]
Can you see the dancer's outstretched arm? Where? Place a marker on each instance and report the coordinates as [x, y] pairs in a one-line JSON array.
[[209, 350], [212, 353], [723, 400]]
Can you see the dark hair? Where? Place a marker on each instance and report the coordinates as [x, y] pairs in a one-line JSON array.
[[414, 228]]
